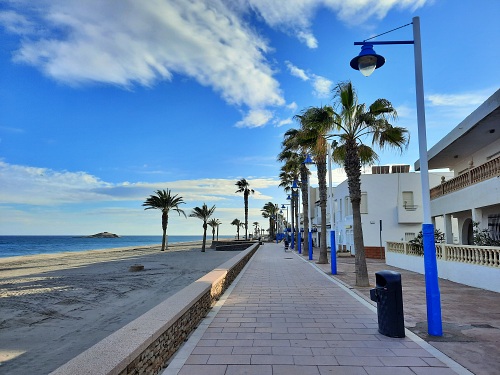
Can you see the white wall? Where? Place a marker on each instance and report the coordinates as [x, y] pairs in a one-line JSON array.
[[469, 274], [384, 196]]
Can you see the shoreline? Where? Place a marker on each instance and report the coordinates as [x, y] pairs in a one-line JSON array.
[[98, 250], [55, 306]]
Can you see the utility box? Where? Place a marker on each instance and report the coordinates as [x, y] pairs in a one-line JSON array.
[[388, 294]]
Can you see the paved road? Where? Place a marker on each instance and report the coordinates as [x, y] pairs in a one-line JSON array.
[[283, 315]]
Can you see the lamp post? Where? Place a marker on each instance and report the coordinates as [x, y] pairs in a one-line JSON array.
[[295, 193], [366, 62], [293, 228], [283, 206], [333, 252], [308, 161]]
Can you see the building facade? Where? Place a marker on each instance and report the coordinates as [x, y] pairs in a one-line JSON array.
[[472, 151]]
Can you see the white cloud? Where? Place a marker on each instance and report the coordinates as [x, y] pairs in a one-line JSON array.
[[128, 42], [15, 23], [25, 185], [286, 121], [292, 106], [255, 118], [296, 72], [308, 38], [294, 16], [322, 86], [466, 99]]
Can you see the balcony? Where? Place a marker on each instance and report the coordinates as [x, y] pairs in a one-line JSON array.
[[490, 169], [478, 255], [476, 266]]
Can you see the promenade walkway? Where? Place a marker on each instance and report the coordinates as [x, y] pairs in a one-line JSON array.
[[283, 315]]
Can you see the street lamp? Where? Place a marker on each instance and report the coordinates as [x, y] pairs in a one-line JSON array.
[[366, 62], [333, 251], [308, 161], [283, 206], [295, 193]]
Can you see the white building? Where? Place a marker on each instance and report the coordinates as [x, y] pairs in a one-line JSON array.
[[391, 208], [472, 151]]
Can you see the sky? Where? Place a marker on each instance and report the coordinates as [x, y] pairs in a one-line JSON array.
[[104, 102]]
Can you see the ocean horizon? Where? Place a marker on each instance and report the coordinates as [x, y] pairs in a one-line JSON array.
[[11, 246]]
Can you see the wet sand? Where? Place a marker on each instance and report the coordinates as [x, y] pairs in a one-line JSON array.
[[55, 306]]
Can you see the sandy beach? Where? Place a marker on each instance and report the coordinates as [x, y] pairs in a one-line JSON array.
[[54, 306]]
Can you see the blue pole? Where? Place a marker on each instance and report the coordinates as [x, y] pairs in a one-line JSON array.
[[310, 245], [292, 241], [333, 252], [433, 296], [299, 245], [434, 323]]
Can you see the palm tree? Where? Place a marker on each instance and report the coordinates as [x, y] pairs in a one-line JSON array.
[[293, 142], [270, 211], [256, 228], [214, 223], [204, 214], [316, 123], [238, 224], [353, 122], [244, 187], [164, 201]]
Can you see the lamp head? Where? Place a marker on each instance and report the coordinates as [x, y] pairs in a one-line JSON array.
[[288, 198], [308, 160], [294, 185], [367, 60]]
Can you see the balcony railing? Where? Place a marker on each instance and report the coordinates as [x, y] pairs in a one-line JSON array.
[[483, 172], [479, 255]]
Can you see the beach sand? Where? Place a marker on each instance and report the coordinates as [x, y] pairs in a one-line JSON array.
[[55, 306]]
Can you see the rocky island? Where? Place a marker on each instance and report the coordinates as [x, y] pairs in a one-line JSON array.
[[103, 235]]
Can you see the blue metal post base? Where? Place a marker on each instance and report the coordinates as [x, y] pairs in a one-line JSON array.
[[333, 252], [292, 243], [310, 246], [299, 245], [434, 322]]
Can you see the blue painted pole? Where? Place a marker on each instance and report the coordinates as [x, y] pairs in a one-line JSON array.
[[310, 246], [299, 245], [333, 252], [433, 296]]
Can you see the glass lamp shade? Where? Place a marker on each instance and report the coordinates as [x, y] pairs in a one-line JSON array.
[[367, 64], [367, 60]]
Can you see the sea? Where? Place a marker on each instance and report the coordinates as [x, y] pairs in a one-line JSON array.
[[11, 246]]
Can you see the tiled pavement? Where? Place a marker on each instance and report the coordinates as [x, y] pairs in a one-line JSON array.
[[284, 316]]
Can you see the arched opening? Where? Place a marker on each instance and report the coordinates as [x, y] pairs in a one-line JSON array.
[[467, 232]]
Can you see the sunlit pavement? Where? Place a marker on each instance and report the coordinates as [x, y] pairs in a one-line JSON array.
[[283, 315]]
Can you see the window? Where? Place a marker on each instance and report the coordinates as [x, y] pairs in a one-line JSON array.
[[364, 203], [409, 236], [340, 209], [348, 206], [408, 201]]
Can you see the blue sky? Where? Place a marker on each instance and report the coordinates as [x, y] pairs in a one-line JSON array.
[[104, 102]]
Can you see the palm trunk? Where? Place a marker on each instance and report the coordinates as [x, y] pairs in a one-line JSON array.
[[204, 237], [323, 257], [164, 224], [245, 198], [305, 207], [353, 171]]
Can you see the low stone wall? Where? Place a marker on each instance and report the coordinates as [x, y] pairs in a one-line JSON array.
[[214, 244], [234, 246], [146, 344]]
